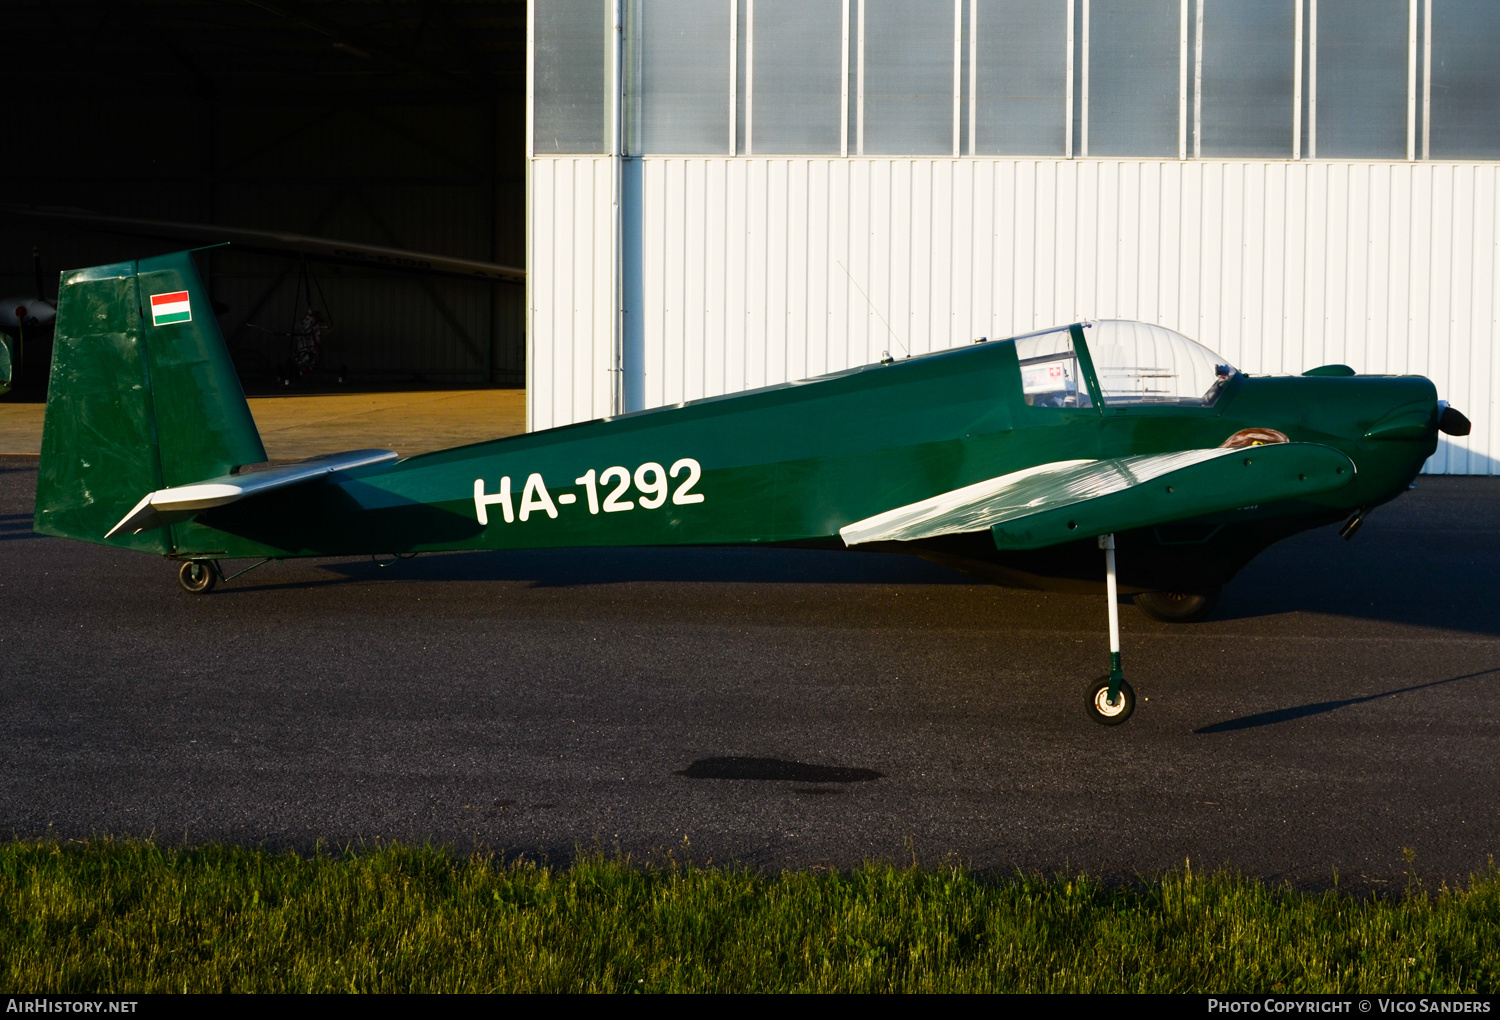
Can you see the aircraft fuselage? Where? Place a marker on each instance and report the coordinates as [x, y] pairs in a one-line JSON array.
[[792, 464]]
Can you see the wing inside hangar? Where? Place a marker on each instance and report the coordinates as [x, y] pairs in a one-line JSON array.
[[271, 243], [1067, 500]]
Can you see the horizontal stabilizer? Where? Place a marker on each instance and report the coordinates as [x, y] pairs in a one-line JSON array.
[[1067, 500], [168, 506]]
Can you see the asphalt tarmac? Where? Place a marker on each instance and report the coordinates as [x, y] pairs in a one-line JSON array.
[[1339, 714]]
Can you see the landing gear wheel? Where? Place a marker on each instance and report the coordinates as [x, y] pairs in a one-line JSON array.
[[197, 576], [1101, 711], [1178, 606]]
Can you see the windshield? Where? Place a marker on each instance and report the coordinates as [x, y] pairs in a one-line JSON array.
[[1138, 363]]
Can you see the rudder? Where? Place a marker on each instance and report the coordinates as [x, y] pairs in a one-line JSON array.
[[142, 395]]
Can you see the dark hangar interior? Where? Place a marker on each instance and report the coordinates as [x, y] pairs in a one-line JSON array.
[[398, 123]]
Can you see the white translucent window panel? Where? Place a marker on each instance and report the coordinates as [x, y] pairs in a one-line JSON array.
[[1021, 83], [571, 101], [1465, 79], [678, 76], [908, 77], [963, 77], [1133, 56], [1361, 97], [1249, 53], [741, 79], [852, 127], [796, 87]]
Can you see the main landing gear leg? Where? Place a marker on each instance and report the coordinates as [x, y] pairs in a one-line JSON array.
[[1111, 699]]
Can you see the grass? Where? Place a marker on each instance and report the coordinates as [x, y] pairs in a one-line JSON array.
[[139, 917]]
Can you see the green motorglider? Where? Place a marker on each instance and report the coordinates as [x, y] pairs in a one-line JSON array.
[[1013, 460]]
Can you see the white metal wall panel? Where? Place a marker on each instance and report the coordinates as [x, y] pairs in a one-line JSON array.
[[753, 268], [568, 291]]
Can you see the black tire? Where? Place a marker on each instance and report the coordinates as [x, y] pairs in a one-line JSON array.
[[197, 576], [1099, 707], [1178, 606]]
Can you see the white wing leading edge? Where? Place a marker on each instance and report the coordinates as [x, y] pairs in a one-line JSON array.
[[1075, 499]]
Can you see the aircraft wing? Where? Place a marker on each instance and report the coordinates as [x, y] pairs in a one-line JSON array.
[[168, 506], [276, 243], [1067, 500]]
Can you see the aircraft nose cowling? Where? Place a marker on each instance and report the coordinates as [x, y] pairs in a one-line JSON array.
[[1450, 421]]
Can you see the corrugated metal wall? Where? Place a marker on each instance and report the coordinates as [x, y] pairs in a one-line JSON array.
[[568, 289], [751, 269]]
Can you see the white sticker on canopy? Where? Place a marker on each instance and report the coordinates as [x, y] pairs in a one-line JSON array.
[[1048, 376]]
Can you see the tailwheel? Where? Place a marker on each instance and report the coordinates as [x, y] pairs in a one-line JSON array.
[[1177, 606], [197, 576], [1102, 710]]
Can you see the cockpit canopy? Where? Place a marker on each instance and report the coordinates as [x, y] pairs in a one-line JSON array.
[[1135, 363]]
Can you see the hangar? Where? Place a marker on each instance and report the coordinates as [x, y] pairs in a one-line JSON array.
[[713, 195], [399, 124], [726, 194]]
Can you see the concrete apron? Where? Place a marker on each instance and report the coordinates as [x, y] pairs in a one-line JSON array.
[[293, 427]]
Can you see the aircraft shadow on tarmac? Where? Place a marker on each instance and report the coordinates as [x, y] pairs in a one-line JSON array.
[[1281, 715], [567, 568], [1397, 577], [776, 770], [1384, 577], [15, 526]]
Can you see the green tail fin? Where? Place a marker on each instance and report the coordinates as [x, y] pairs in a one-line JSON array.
[[142, 396]]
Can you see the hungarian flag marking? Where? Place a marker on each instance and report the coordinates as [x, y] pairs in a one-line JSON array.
[[169, 308]]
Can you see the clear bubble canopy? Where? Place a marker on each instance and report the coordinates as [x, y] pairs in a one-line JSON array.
[[1136, 363]]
